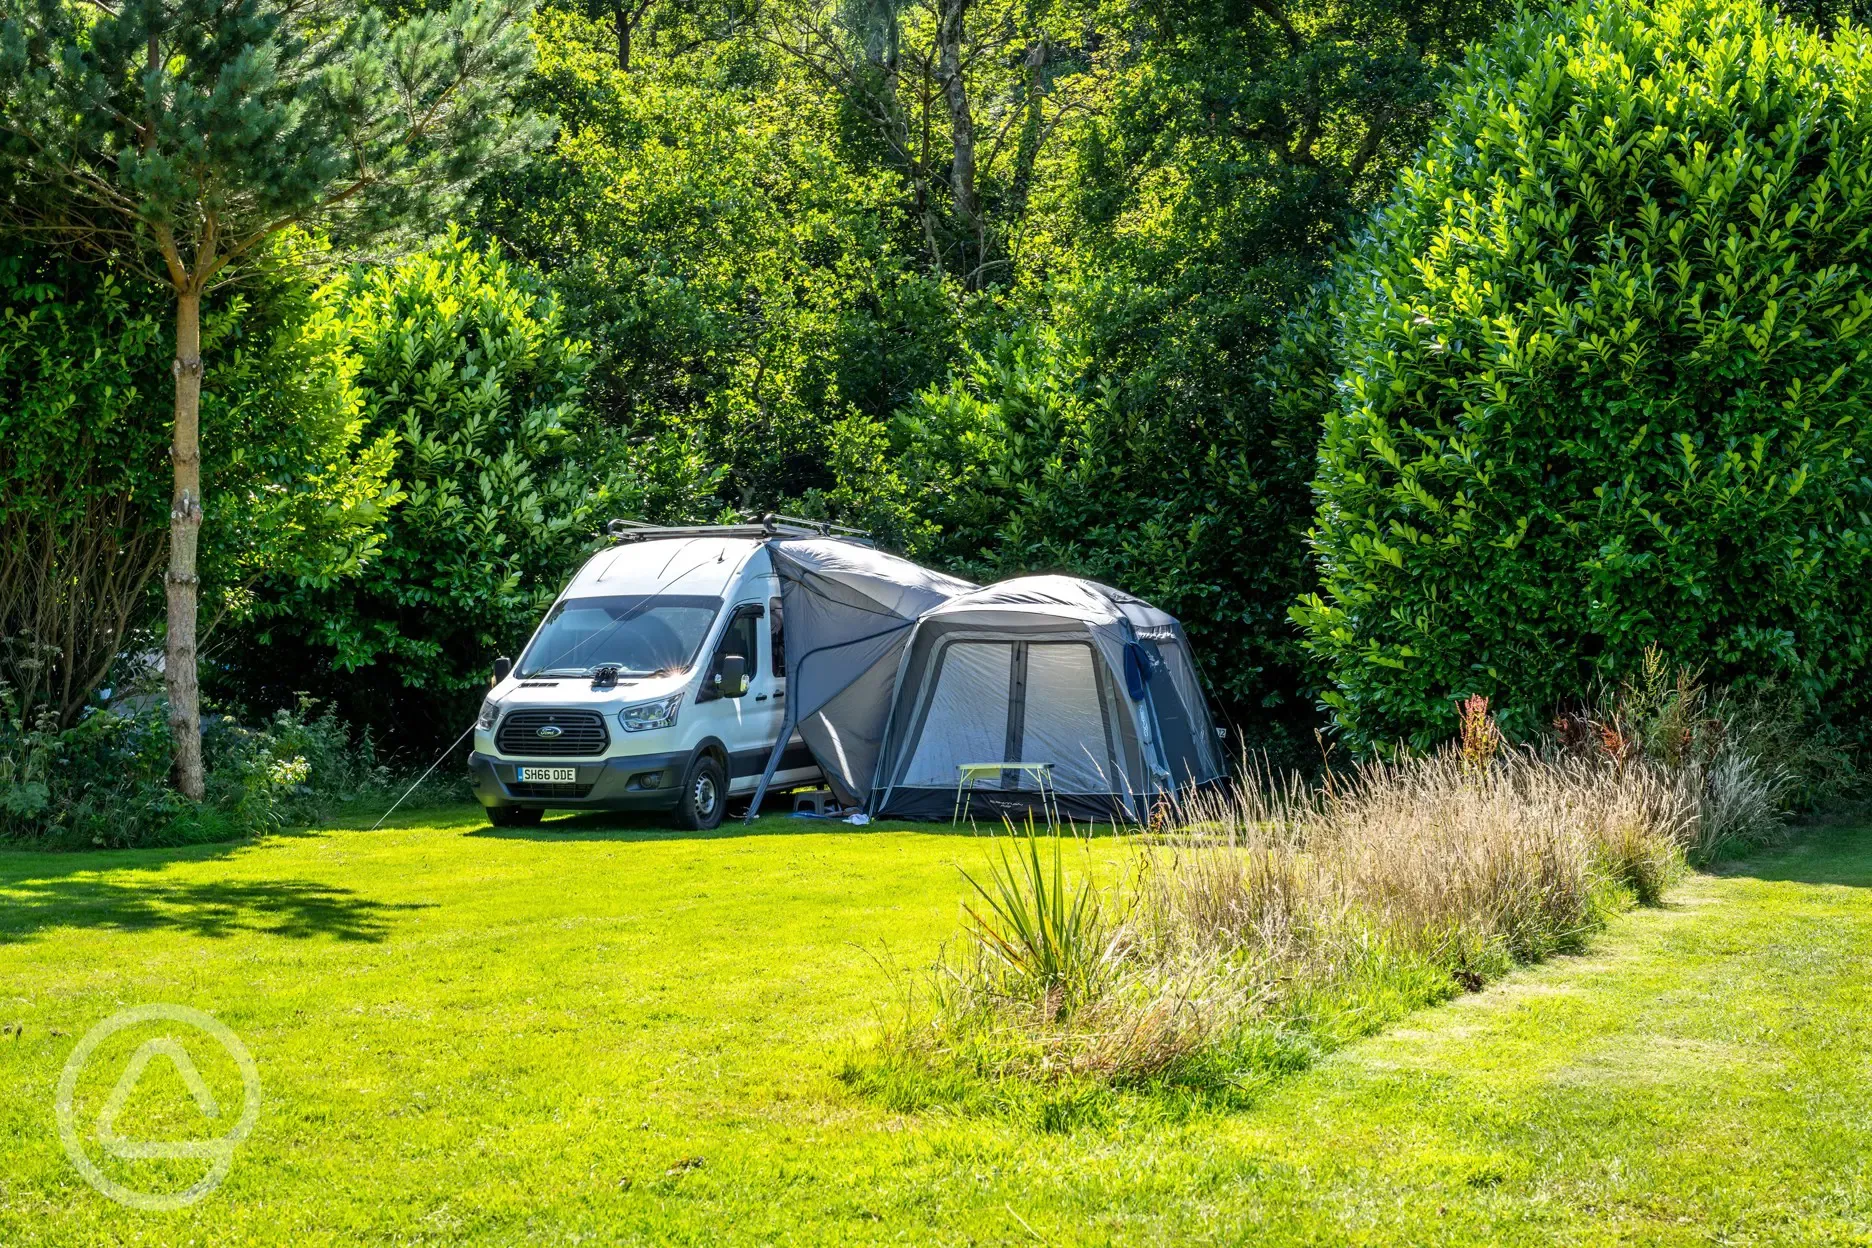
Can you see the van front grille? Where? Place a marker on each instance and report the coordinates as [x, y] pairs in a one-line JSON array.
[[581, 734]]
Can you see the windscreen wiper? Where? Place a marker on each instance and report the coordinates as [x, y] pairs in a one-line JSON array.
[[593, 670]]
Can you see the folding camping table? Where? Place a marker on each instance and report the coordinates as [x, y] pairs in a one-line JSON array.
[[969, 774]]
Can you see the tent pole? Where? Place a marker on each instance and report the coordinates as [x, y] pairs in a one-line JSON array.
[[773, 765]]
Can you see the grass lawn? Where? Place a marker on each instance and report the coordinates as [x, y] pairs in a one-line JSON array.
[[607, 1033]]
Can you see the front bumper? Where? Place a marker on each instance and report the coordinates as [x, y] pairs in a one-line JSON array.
[[640, 782]]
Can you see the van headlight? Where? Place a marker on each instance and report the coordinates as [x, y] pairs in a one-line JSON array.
[[647, 715], [490, 711]]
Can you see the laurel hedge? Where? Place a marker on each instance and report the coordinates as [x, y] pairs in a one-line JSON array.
[[1599, 377]]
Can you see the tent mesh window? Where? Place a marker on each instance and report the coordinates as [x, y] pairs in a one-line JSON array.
[[1016, 701], [969, 709]]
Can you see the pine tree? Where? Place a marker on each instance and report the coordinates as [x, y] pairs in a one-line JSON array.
[[186, 137]]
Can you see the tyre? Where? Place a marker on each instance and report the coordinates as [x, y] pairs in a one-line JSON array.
[[514, 816], [704, 796]]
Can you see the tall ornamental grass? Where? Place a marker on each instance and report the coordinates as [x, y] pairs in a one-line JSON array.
[[1277, 918]]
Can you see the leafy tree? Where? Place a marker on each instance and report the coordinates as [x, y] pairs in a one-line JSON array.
[[1022, 464], [1602, 376], [187, 135], [1243, 140], [624, 16], [739, 281], [83, 382], [1128, 431], [960, 100], [466, 371]]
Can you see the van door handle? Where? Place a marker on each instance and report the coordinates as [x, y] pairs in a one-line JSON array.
[[761, 698]]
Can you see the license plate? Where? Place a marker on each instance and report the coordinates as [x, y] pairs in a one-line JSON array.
[[548, 775]]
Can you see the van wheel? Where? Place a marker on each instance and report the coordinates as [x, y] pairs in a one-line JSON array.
[[704, 796], [514, 816]]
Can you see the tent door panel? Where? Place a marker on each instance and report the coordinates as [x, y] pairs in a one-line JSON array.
[[1064, 719], [966, 717], [1205, 759], [1184, 757]]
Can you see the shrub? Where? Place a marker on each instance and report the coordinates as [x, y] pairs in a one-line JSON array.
[[1602, 377], [85, 391], [464, 369], [1022, 464], [103, 783]]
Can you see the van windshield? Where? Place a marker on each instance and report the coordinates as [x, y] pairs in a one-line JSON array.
[[640, 635]]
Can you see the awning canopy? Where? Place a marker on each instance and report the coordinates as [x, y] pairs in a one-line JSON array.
[[848, 610]]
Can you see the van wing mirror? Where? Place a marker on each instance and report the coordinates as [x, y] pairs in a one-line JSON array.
[[502, 666], [731, 679]]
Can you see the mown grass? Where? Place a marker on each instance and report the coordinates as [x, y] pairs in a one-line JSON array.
[[616, 1034]]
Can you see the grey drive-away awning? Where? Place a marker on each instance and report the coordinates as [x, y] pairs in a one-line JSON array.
[[848, 611]]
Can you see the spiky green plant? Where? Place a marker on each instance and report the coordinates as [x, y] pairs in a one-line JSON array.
[[1049, 939]]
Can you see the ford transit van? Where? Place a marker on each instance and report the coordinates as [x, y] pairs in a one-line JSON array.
[[656, 682]]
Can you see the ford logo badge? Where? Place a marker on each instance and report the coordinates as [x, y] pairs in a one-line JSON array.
[[550, 731]]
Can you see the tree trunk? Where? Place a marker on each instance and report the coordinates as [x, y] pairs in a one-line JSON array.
[[624, 25], [185, 519], [1033, 126], [949, 36]]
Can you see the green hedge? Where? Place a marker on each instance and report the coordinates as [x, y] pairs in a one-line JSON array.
[[291, 488], [1602, 378]]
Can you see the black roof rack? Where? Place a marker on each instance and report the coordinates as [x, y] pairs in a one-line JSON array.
[[770, 525]]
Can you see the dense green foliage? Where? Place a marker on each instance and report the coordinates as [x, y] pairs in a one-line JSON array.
[[737, 279], [1602, 377], [1019, 289], [466, 372], [1124, 432], [81, 358], [1033, 461], [1024, 463], [187, 138], [81, 474], [300, 488], [103, 782]]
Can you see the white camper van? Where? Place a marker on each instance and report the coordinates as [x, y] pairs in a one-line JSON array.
[[656, 682]]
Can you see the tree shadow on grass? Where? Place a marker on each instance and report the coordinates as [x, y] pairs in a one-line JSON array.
[[1822, 853], [293, 909], [634, 826]]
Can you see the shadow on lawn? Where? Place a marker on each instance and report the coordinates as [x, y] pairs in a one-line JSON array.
[[1821, 853], [295, 909], [632, 826]]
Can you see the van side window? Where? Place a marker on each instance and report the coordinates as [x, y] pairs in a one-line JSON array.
[[777, 623], [741, 638]]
